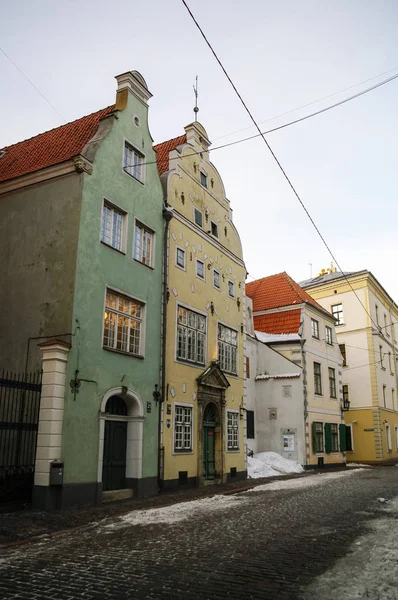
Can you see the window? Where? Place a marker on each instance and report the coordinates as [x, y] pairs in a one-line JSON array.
[[232, 430], [112, 226], [396, 437], [377, 314], [144, 244], [203, 179], [227, 349], [198, 215], [133, 162], [332, 382], [180, 258], [247, 367], [393, 398], [335, 437], [250, 424], [191, 334], [329, 335], [315, 329], [182, 428], [231, 289], [317, 431], [390, 363], [346, 396], [337, 312], [385, 326], [388, 436], [214, 229], [317, 378], [343, 354], [348, 439], [381, 357], [200, 269], [123, 323], [216, 279], [384, 396]]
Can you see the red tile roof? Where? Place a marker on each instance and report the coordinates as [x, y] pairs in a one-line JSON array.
[[287, 321], [162, 152], [50, 148], [276, 291]]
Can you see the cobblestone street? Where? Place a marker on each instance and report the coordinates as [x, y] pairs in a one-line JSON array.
[[276, 541]]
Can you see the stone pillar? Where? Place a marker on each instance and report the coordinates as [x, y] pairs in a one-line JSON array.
[[49, 437]]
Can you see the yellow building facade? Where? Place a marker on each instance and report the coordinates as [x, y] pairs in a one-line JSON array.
[[368, 341], [202, 420]]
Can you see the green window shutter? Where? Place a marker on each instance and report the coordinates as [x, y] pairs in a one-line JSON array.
[[314, 437], [343, 443], [328, 437]]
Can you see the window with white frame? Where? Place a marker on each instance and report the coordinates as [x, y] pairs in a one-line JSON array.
[[231, 289], [329, 335], [198, 215], [112, 226], [123, 324], [182, 428], [315, 329], [203, 179], [227, 349], [216, 279], [133, 162], [388, 436], [144, 243], [334, 430], [180, 258], [337, 312], [200, 269], [214, 229], [318, 436], [332, 382], [191, 336], [232, 430], [317, 378]]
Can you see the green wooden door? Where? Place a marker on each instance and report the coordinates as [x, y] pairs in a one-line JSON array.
[[114, 466]]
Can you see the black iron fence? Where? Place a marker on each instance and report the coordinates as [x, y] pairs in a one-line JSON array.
[[19, 418]]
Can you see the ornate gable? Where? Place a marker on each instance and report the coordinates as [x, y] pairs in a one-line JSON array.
[[213, 377]]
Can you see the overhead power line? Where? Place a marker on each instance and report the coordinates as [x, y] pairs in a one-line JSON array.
[[33, 85], [275, 157]]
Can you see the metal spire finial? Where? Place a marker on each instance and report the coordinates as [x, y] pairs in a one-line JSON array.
[[196, 109]]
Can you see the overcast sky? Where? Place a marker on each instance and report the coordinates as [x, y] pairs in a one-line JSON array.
[[281, 56]]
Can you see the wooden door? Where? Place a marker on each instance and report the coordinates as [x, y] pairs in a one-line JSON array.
[[114, 466]]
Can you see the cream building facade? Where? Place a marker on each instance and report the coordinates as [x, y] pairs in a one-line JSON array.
[[367, 336], [202, 424]]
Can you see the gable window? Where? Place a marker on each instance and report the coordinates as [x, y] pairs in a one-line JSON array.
[[180, 258], [191, 336], [198, 215], [329, 335], [315, 329], [203, 179], [227, 349], [112, 226], [144, 244], [133, 162], [214, 229], [250, 424], [182, 428], [216, 279], [332, 382], [317, 437], [231, 289], [343, 354], [337, 312], [232, 430], [200, 269], [123, 323], [317, 378]]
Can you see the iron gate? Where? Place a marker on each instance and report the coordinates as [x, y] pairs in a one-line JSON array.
[[19, 418]]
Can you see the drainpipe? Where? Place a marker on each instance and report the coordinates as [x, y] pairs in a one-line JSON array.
[[167, 215]]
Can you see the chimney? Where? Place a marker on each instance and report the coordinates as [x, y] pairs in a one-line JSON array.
[[131, 82]]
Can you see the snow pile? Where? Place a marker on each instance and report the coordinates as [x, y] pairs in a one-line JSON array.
[[270, 464], [302, 482]]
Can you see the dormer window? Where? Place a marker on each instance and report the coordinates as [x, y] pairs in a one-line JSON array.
[[203, 179]]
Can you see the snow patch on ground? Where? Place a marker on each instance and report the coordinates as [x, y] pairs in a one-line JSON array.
[[304, 482], [359, 465], [270, 464]]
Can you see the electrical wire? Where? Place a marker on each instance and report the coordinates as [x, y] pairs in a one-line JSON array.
[[274, 155], [32, 84]]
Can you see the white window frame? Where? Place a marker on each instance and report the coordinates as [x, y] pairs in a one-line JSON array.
[[342, 313], [219, 279], [329, 339], [186, 361], [233, 288], [200, 212], [183, 405], [322, 424], [141, 319], [198, 260], [211, 229], [115, 209], [330, 383], [144, 228], [181, 249], [141, 178], [227, 428], [232, 373], [388, 437], [314, 329], [320, 379]]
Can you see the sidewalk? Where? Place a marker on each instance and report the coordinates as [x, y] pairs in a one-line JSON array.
[[19, 526]]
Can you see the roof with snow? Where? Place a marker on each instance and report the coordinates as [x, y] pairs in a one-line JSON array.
[[308, 283], [269, 338], [277, 376]]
